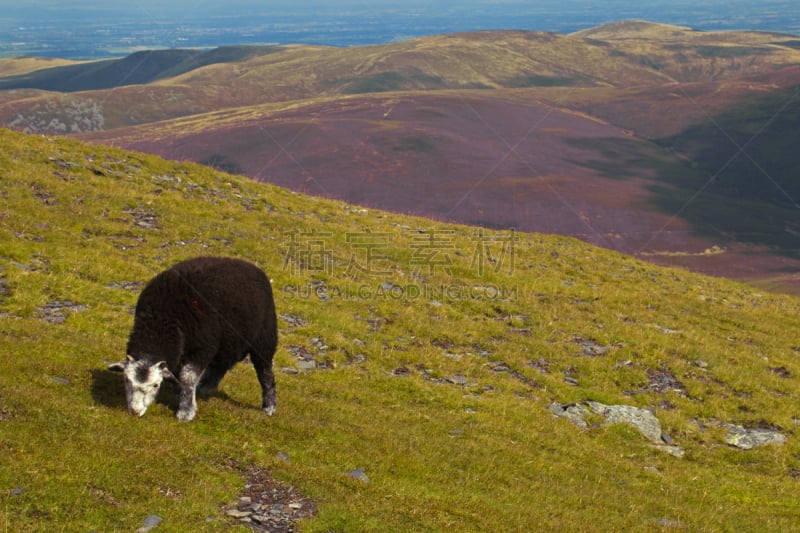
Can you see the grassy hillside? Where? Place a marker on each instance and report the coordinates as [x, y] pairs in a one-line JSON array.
[[427, 355]]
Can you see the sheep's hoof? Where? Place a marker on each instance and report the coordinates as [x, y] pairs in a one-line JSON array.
[[186, 415]]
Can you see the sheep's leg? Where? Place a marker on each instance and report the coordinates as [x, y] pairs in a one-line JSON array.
[[189, 376], [213, 375], [262, 362]]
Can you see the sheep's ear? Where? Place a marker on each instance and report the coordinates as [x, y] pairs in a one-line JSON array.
[[165, 373], [120, 367]]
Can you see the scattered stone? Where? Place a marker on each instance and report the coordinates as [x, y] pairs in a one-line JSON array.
[[150, 523], [701, 364], [63, 381], [23, 267], [143, 218], [294, 321], [541, 364], [306, 364], [283, 457], [359, 475], [781, 371], [666, 331], [56, 311], [300, 352], [591, 347], [747, 439], [666, 522], [571, 380], [133, 286], [321, 347], [4, 290], [17, 491], [306, 360], [457, 379], [358, 359], [675, 451], [662, 380], [401, 371], [320, 290], [453, 355], [5, 413], [268, 505]]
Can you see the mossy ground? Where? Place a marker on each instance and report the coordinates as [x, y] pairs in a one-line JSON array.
[[410, 385]]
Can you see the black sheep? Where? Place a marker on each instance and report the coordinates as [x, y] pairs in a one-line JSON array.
[[193, 323]]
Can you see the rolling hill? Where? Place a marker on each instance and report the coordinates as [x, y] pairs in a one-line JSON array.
[[620, 135], [431, 376], [136, 69]]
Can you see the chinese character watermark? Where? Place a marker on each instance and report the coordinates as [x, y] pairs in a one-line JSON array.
[[496, 250], [367, 257], [309, 252], [431, 250]]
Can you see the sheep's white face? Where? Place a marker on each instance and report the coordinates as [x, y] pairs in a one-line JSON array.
[[142, 381]]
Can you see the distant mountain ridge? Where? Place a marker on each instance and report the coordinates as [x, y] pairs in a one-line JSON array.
[[659, 141], [136, 69]]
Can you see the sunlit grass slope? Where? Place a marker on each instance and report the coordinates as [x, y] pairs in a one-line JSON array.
[[438, 351]]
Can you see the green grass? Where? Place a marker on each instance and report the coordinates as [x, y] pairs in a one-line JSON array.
[[484, 456]]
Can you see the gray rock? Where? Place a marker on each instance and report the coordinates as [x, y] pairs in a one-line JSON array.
[[668, 523], [306, 365], [457, 379], [675, 451], [150, 523], [747, 439], [591, 347], [358, 474], [642, 419], [575, 413], [236, 513]]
